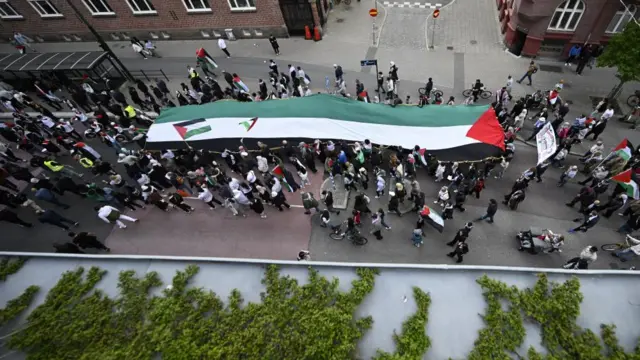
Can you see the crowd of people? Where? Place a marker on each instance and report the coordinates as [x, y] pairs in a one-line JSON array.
[[252, 180]]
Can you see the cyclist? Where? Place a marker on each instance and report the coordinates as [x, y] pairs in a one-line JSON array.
[[351, 231], [476, 89]]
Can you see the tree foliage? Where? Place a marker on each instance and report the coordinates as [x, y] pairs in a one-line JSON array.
[[623, 52], [10, 266]]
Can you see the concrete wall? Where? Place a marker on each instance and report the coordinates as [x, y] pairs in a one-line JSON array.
[[609, 296]]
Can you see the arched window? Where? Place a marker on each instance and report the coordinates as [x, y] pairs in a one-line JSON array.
[[567, 16], [624, 15]]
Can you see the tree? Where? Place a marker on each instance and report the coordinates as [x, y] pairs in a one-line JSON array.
[[623, 52]]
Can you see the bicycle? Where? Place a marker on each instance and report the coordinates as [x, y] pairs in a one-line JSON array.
[[337, 234], [616, 246], [434, 91], [485, 94], [634, 99]]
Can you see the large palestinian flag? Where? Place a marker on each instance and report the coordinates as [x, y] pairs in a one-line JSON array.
[[449, 132]]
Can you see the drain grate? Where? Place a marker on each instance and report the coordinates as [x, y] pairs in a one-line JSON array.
[[551, 68], [473, 42], [449, 47], [339, 20]]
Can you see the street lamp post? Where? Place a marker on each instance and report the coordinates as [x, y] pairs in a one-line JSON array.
[[101, 41]]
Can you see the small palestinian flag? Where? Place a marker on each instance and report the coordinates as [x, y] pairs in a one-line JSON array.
[[191, 128], [626, 180], [237, 82], [624, 149], [248, 125], [203, 55], [278, 172], [419, 155]]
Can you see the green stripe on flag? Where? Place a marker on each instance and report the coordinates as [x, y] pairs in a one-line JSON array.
[[197, 131], [330, 107]]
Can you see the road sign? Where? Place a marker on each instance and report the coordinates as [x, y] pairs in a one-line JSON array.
[[436, 13], [373, 12], [373, 62]]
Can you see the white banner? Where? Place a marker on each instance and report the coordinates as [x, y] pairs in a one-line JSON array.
[[546, 142]]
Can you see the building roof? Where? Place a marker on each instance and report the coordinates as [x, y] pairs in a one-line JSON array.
[[610, 297], [82, 60]]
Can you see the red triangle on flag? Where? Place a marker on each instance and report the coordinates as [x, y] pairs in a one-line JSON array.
[[181, 130], [623, 177], [487, 129], [623, 145]]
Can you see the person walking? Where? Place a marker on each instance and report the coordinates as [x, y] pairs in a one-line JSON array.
[[569, 174], [416, 237], [587, 256], [207, 197], [459, 250], [327, 198], [138, 49], [573, 54], [309, 202], [53, 218], [257, 206], [376, 226], [11, 217], [111, 215], [530, 71], [381, 215], [48, 196], [279, 200], [590, 220], [87, 240], [223, 46], [583, 59], [178, 201], [491, 211], [462, 234], [394, 204], [274, 44]]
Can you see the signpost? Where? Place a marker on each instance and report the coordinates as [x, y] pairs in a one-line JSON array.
[[370, 62], [435, 15], [373, 13]]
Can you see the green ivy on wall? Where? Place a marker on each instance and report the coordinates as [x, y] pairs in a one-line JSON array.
[[10, 266], [291, 321]]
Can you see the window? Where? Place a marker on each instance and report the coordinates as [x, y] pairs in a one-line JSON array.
[[242, 4], [624, 15], [7, 11], [141, 7], [567, 16], [98, 7], [45, 8], [196, 5]]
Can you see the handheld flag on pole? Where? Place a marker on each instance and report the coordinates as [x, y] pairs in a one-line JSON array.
[[625, 179], [237, 82], [203, 55], [279, 173]]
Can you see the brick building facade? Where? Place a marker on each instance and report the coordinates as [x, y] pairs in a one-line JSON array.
[[551, 27], [55, 20]]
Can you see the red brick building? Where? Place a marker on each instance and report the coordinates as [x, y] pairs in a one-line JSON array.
[[551, 27], [55, 20]]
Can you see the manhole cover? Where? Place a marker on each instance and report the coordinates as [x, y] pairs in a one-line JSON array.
[[551, 68], [339, 20], [473, 42], [449, 47]]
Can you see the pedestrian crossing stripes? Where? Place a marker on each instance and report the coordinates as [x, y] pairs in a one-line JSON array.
[[408, 4]]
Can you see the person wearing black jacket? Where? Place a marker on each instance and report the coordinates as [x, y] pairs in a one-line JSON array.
[[428, 87], [65, 183], [460, 249], [491, 211], [53, 218], [79, 96], [327, 198], [85, 240], [586, 197], [18, 172], [394, 202], [135, 97], [119, 97], [462, 234], [590, 220]]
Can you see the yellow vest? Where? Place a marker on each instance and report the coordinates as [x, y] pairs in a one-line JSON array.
[[86, 163], [131, 112], [53, 166], [193, 74]]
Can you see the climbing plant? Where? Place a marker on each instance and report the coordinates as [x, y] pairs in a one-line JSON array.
[[555, 309], [413, 342], [292, 321], [10, 266]]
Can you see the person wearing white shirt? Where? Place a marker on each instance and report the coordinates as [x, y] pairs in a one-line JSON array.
[[111, 215], [207, 197], [143, 179], [137, 48], [509, 84], [301, 74], [80, 116], [632, 251], [223, 46], [607, 114], [241, 198], [46, 121], [69, 130]]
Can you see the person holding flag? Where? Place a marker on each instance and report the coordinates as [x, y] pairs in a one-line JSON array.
[[238, 84], [206, 61]]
